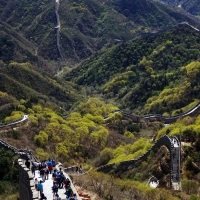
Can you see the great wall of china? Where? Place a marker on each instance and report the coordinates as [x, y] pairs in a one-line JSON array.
[[26, 185], [165, 119]]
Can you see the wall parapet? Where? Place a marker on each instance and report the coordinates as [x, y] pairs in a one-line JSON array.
[[165, 119], [164, 140], [27, 189], [127, 164], [14, 122], [26, 182]]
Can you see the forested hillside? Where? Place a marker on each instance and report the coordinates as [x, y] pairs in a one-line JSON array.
[[191, 6], [23, 81], [86, 26], [9, 175], [142, 56], [146, 69]]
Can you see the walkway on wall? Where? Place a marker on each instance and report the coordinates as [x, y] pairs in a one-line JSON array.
[[174, 146], [47, 186], [158, 117], [25, 154], [175, 163], [24, 118]]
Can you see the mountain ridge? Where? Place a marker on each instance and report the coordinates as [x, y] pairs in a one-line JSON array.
[[85, 25], [123, 71]]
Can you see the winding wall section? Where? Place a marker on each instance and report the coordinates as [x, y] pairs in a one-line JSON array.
[[27, 190], [166, 119], [14, 122], [26, 183], [175, 161]]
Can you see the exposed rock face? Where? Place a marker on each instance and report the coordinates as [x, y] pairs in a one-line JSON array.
[[162, 169], [165, 164]]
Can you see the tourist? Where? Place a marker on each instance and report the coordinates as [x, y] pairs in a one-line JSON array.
[[27, 163], [55, 189], [60, 170], [33, 168], [39, 166], [68, 192], [42, 174], [54, 175], [40, 188], [62, 179], [36, 183], [71, 198], [53, 162], [49, 164], [46, 173], [66, 183], [58, 179], [43, 164], [75, 197]]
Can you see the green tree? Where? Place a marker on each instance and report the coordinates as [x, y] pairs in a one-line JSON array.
[[8, 173]]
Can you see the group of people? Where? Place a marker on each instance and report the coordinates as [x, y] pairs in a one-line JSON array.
[[59, 180]]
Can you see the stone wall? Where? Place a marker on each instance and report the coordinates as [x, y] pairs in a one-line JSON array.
[[166, 119], [27, 190], [129, 164], [125, 165], [26, 181]]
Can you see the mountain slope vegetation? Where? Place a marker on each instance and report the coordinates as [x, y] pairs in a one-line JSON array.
[[86, 26], [133, 55], [24, 81], [15, 47], [135, 71], [192, 6], [152, 14]]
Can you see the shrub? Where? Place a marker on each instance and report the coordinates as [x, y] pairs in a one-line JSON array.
[[133, 128]]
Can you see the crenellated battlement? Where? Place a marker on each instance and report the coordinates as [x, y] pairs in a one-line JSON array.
[[27, 190]]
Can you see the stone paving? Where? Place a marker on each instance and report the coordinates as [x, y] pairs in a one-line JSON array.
[[175, 164], [47, 187]]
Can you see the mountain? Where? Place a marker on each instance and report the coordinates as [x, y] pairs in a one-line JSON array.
[[86, 26], [15, 47], [134, 72], [138, 55], [191, 6], [24, 81], [151, 14]]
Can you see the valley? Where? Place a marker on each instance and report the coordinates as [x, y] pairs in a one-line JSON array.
[[112, 86]]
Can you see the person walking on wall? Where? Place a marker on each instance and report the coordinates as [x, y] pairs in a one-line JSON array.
[[46, 173], [40, 188], [27, 163], [55, 190], [50, 166], [42, 171], [33, 168], [53, 163], [36, 183]]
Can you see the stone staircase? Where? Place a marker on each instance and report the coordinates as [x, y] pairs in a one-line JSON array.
[[175, 163]]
